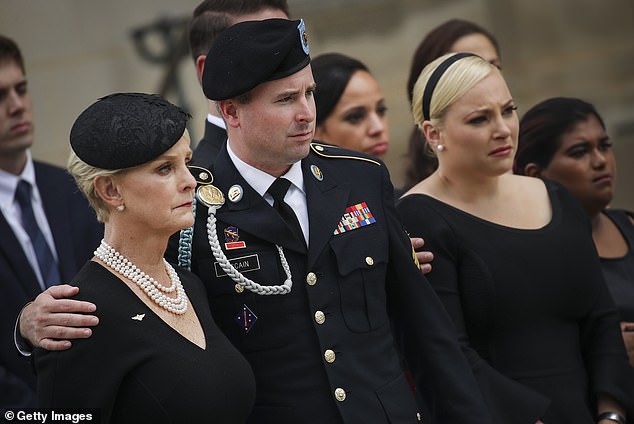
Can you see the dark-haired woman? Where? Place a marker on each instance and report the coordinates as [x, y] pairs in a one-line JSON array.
[[565, 140], [351, 110]]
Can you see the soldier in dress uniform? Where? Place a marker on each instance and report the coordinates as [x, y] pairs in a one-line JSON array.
[[309, 299], [307, 267]]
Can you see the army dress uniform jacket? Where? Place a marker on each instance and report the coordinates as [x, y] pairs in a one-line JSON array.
[[326, 351]]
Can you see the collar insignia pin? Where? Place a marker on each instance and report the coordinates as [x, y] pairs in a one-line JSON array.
[[235, 193], [316, 172]]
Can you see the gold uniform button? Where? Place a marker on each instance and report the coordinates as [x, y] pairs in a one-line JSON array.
[[369, 261], [320, 317], [239, 288], [340, 394], [419, 417], [329, 356], [311, 279], [319, 148]]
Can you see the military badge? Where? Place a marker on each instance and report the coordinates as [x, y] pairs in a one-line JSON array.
[[235, 193], [356, 216], [202, 175], [245, 318], [210, 195], [303, 36], [316, 172], [232, 240]]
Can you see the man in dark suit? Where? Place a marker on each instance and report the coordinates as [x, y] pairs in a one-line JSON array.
[[209, 19], [67, 230]]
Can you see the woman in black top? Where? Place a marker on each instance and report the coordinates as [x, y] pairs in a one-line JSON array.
[[514, 261], [156, 356], [565, 140]]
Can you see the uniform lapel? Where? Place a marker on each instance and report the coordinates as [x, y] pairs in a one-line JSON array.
[[326, 201], [252, 213]]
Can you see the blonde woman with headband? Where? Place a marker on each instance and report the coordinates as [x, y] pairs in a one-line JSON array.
[[515, 265]]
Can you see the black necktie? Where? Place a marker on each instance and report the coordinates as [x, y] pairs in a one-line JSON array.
[[45, 258], [278, 190]]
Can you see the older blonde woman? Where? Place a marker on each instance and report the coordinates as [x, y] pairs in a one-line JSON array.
[[515, 264], [156, 355]]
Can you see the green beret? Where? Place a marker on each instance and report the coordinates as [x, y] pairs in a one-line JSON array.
[[126, 129], [250, 53]]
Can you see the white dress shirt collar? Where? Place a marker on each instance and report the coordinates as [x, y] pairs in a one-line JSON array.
[[260, 180], [216, 121]]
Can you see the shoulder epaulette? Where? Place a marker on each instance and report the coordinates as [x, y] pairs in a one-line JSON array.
[[334, 152]]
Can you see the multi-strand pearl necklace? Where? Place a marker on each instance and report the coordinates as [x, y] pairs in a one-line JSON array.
[[155, 291]]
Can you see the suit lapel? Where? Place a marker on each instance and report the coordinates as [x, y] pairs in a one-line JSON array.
[[252, 213], [326, 201], [58, 218], [10, 248]]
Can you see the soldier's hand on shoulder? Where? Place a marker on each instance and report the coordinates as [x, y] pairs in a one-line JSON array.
[[52, 319], [424, 257]]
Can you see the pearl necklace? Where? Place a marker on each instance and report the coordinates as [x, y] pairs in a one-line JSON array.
[[155, 291]]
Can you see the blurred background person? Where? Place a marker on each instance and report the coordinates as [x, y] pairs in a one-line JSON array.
[[453, 36], [351, 109], [47, 229], [524, 285], [565, 140], [168, 362]]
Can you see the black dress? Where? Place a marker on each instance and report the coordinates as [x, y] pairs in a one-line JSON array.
[[142, 370], [531, 308], [619, 272]]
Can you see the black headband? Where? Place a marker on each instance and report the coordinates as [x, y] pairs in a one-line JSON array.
[[435, 77]]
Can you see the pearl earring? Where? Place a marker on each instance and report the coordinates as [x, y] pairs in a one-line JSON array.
[[121, 207], [440, 148]]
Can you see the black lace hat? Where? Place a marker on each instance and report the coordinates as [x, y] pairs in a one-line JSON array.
[[126, 129], [250, 53]]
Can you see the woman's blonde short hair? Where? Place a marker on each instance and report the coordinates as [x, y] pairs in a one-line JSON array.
[[459, 78], [84, 176]]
